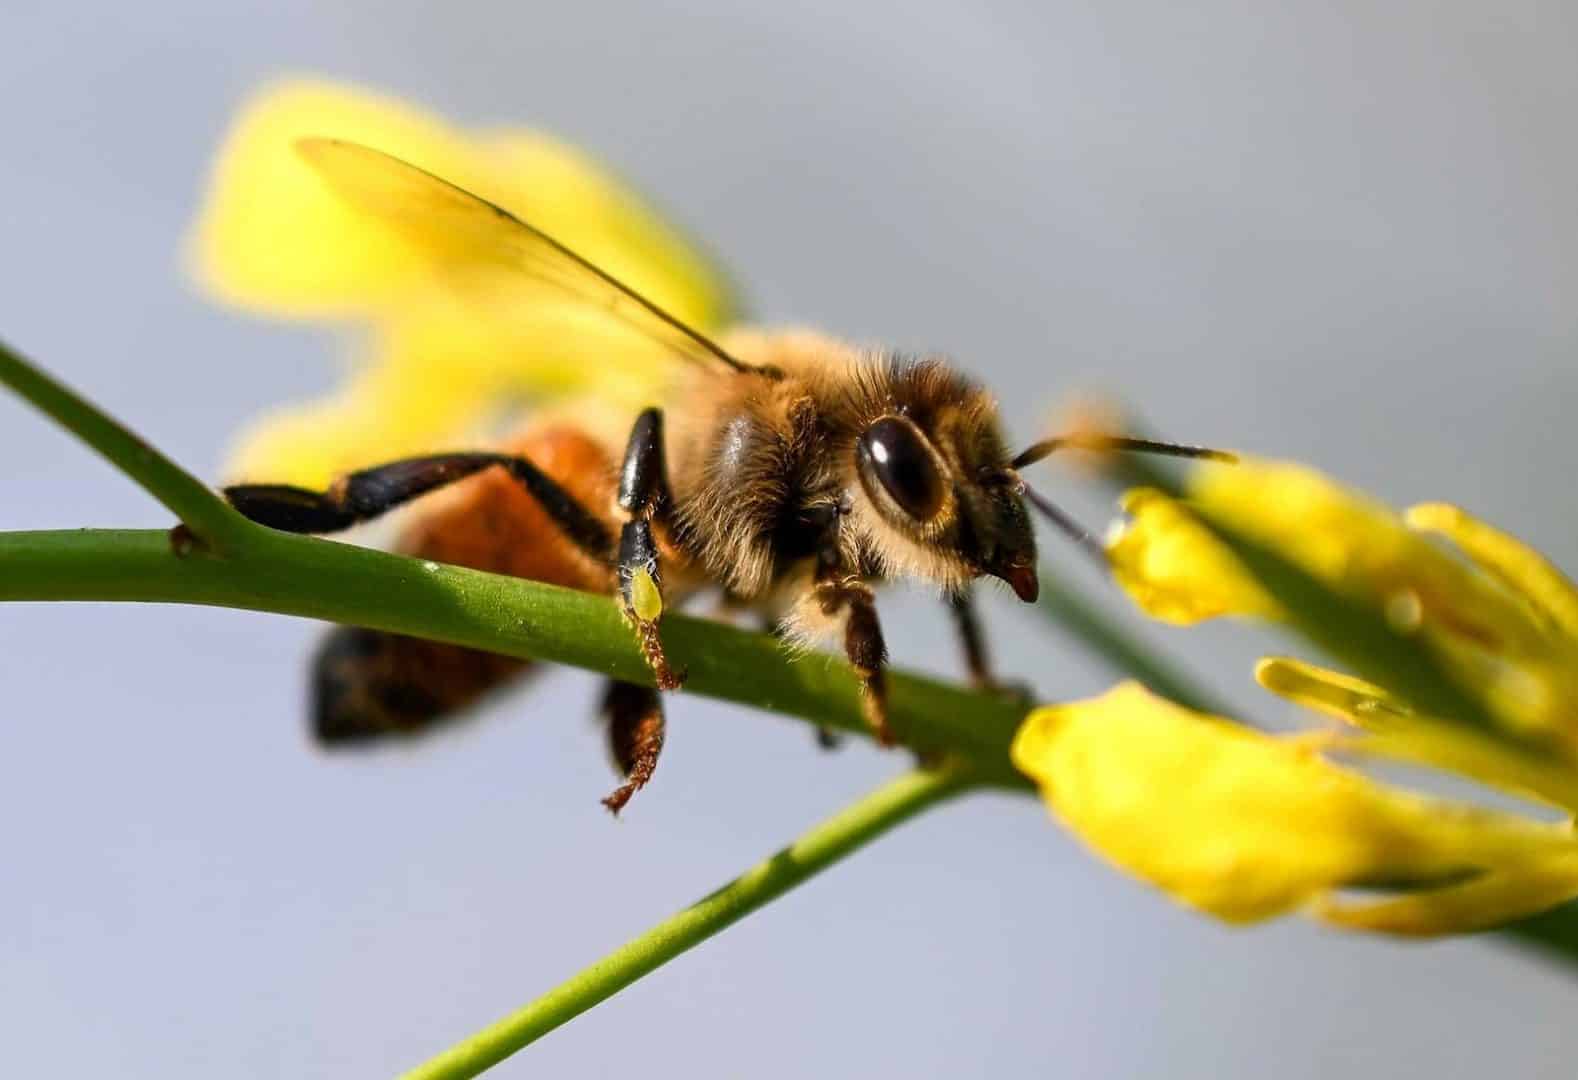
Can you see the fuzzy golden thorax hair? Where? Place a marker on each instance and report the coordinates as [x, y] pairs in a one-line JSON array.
[[757, 461]]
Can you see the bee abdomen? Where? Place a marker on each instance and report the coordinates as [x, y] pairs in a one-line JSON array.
[[367, 684]]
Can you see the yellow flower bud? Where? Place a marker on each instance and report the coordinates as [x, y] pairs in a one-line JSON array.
[[1245, 826]]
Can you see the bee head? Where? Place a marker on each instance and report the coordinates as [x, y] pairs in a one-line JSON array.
[[937, 494]]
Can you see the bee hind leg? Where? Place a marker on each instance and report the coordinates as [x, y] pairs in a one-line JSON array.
[[645, 497], [635, 737], [368, 493]]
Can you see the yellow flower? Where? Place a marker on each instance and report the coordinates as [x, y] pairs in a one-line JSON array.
[[1502, 620], [446, 344], [1245, 826], [1175, 570]]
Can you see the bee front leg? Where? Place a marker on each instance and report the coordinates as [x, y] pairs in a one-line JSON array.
[[645, 497], [973, 642]]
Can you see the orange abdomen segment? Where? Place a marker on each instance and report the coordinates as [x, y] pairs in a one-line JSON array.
[[369, 683], [489, 522]]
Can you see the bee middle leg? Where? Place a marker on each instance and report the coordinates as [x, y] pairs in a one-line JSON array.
[[645, 497], [840, 597], [635, 737]]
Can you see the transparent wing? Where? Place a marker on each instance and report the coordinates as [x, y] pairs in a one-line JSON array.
[[456, 225]]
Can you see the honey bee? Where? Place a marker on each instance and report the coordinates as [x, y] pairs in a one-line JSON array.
[[790, 471]]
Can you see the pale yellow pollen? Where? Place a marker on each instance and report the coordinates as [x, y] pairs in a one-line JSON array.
[[646, 599]]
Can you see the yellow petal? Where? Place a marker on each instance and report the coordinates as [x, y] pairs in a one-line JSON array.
[[1242, 825], [1488, 637], [1358, 546], [580, 202], [381, 413], [1175, 569], [1497, 897], [273, 236], [1393, 730], [439, 378], [1342, 696], [457, 341], [1518, 566]]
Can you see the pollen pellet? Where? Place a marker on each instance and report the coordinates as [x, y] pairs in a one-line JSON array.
[[645, 599], [1404, 611]]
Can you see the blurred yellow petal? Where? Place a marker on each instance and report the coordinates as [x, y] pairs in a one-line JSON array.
[[1518, 566], [274, 237], [378, 415], [457, 336], [1242, 825], [1493, 630], [1342, 696], [1393, 730], [1358, 546], [1335, 533], [1175, 569], [442, 379], [578, 201], [1500, 896]]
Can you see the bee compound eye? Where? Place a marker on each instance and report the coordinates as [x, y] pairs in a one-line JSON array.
[[893, 454]]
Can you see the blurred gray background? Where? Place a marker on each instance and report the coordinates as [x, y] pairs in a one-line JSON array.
[[1342, 232]]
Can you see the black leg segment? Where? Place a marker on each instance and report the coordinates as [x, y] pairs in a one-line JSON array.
[[863, 645], [962, 604], [644, 496], [643, 479], [366, 494], [290, 509], [976, 660]]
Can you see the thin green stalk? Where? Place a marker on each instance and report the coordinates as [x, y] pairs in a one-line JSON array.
[[1552, 933], [1125, 652], [202, 511], [838, 836], [322, 579]]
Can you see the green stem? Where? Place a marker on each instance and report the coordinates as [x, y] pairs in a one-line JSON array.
[[838, 836], [321, 579], [1123, 651], [203, 512]]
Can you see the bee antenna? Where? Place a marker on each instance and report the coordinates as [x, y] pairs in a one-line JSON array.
[[1046, 447], [1081, 536]]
